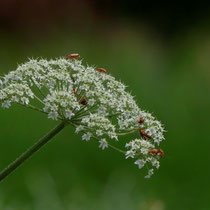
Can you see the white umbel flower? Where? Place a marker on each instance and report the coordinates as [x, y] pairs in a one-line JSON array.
[[87, 98]]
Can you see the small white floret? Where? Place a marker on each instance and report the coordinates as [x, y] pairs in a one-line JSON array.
[[150, 173], [140, 163], [69, 114], [103, 144], [79, 128], [6, 104], [53, 115], [86, 136]]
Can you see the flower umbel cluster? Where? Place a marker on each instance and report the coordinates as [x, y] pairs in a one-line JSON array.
[[90, 100]]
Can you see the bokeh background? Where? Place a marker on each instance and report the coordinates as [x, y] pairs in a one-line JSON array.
[[162, 53]]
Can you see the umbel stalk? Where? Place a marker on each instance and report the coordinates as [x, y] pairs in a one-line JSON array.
[[28, 153]]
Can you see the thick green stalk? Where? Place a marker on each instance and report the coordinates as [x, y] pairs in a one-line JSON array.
[[28, 153]]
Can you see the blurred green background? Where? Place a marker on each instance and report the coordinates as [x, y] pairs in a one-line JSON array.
[[162, 54]]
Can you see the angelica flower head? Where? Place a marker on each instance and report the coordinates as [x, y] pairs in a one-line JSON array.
[[89, 99]]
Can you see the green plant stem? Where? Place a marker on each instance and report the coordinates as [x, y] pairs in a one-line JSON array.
[[28, 153]]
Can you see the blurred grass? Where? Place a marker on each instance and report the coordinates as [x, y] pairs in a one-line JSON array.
[[170, 80]]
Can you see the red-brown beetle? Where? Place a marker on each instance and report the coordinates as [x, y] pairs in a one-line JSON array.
[[157, 151], [141, 120], [161, 153], [84, 101], [74, 55], [101, 70], [153, 151], [74, 91], [144, 135]]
